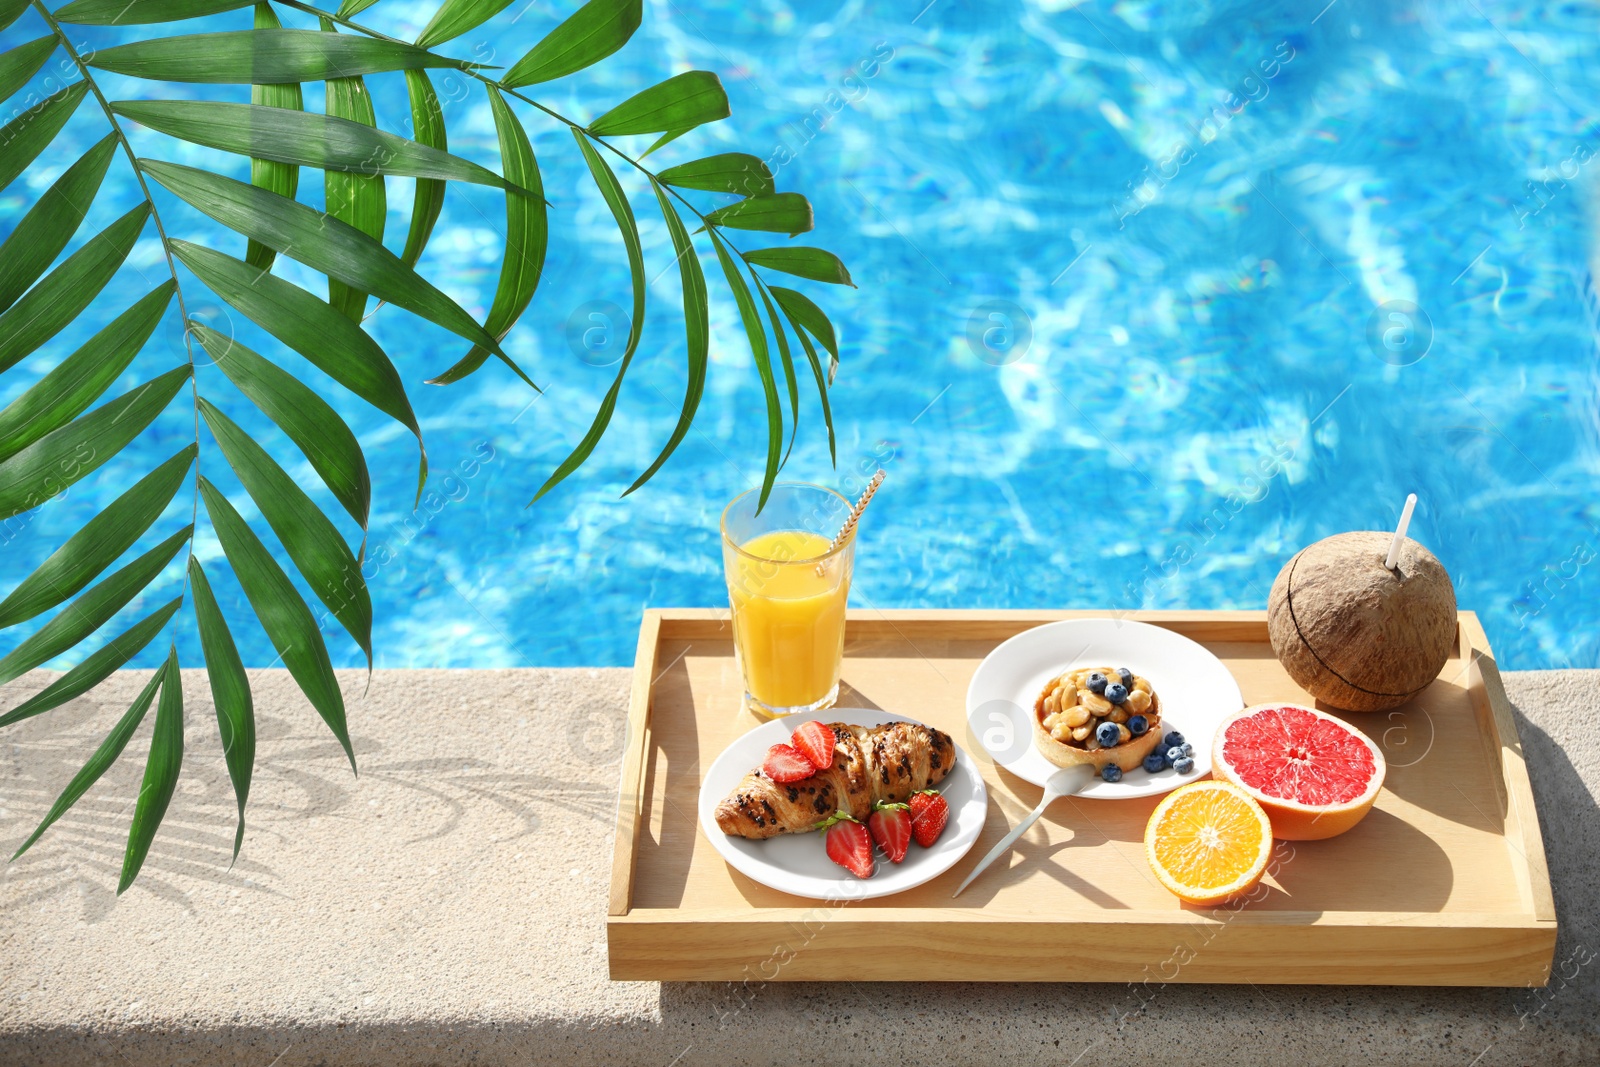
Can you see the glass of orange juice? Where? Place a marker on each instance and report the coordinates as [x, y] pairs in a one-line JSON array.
[[787, 586]]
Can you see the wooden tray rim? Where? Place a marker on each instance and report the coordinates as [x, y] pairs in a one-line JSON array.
[[1488, 694]]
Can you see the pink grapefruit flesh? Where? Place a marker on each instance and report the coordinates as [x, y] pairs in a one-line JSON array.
[[1315, 775]]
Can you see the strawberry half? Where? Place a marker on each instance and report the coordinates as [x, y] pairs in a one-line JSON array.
[[847, 843], [929, 813], [784, 764], [891, 829], [815, 743]]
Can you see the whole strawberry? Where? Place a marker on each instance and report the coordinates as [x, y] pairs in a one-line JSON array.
[[847, 843], [891, 829], [929, 813]]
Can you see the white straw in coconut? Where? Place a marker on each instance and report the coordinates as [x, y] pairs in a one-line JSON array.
[[1400, 531]]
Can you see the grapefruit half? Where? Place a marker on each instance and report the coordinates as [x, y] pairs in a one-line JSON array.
[[1316, 775]]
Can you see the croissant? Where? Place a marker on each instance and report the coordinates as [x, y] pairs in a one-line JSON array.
[[887, 762]]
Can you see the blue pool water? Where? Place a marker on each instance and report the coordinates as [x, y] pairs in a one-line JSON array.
[[1136, 281]]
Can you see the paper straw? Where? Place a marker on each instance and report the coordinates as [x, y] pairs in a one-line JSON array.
[[855, 512], [1400, 531]]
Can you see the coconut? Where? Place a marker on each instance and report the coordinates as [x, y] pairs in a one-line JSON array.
[[1355, 634]]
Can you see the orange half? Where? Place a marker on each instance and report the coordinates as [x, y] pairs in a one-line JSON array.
[[1208, 842]]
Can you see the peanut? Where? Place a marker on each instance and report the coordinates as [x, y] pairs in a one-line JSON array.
[[1094, 702]]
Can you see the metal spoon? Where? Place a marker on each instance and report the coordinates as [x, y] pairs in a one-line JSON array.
[[1063, 783]]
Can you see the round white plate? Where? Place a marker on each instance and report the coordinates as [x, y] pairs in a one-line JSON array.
[[1197, 692], [797, 863]]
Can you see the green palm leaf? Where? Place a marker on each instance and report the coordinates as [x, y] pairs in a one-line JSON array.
[[263, 57], [358, 199], [103, 758], [757, 336], [96, 546], [802, 312], [161, 769], [77, 381], [301, 137], [338, 250], [593, 32], [47, 227], [456, 17], [823, 379], [314, 427], [665, 139], [527, 237], [427, 200], [96, 667], [617, 200], [92, 610], [61, 457], [802, 262], [230, 692], [352, 8], [337, 346], [788, 213], [731, 172], [10, 9], [141, 12], [787, 360], [696, 326], [27, 135], [22, 62], [67, 290], [283, 615], [326, 562], [690, 99], [281, 176]]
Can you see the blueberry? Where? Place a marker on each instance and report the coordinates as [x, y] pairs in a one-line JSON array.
[[1188, 749], [1097, 682], [1127, 677], [1107, 734], [1116, 692], [1183, 766], [1174, 754], [1172, 740], [1166, 759], [1137, 725], [1155, 762], [1111, 772]]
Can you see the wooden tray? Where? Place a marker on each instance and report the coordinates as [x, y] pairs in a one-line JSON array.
[[1444, 883]]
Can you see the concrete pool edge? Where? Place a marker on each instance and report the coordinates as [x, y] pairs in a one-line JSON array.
[[322, 944]]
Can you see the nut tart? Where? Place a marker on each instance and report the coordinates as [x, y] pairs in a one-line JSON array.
[[1070, 718]]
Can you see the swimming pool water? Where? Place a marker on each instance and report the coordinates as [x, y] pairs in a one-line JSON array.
[[1151, 296]]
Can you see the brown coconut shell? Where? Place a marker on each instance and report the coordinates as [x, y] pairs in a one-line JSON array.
[[1353, 633]]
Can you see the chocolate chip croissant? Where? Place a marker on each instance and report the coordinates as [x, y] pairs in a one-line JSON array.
[[888, 762]]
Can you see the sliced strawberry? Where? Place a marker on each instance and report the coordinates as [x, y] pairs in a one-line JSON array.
[[815, 742], [847, 843], [891, 829], [929, 813], [784, 764]]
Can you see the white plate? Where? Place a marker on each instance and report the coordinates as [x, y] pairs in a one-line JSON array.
[[797, 863], [1197, 692]]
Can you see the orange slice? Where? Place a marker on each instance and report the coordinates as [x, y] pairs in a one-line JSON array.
[[1208, 842]]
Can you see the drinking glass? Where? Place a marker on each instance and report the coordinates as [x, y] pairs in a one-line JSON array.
[[787, 587]]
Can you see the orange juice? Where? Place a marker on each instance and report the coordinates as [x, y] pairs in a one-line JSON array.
[[788, 620]]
